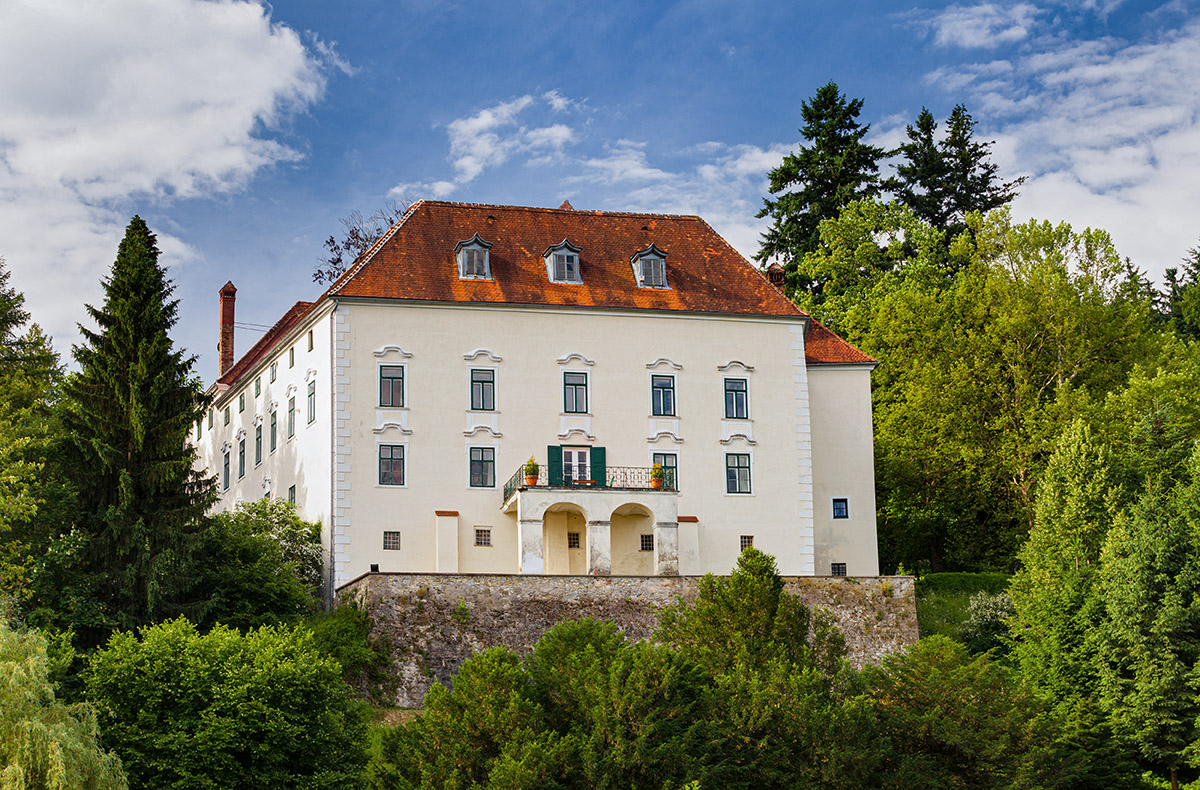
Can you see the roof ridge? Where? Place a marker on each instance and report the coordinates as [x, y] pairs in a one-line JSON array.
[[547, 209], [778, 294]]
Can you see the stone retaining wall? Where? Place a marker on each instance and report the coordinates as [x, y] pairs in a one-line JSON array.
[[436, 621]]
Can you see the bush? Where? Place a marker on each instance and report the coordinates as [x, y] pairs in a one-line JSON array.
[[344, 634], [987, 622], [226, 709], [943, 599]]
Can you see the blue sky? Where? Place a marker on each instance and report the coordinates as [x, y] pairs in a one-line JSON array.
[[243, 132]]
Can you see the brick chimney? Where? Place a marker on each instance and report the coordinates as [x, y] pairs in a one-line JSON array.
[[225, 345]]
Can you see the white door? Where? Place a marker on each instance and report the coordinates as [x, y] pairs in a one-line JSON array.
[[575, 464]]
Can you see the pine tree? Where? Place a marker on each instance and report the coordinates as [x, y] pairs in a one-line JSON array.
[[920, 180], [815, 183], [1183, 296], [129, 410]]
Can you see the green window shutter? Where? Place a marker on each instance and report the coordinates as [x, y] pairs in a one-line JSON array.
[[554, 465], [598, 466]]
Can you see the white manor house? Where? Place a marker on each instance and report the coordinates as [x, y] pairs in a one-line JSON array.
[[400, 407]]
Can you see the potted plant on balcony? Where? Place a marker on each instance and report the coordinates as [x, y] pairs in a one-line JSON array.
[[531, 472], [656, 476]]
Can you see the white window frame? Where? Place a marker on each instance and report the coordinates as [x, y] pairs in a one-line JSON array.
[[650, 259], [570, 254], [833, 512], [473, 247]]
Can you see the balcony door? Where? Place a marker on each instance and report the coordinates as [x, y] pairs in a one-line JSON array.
[[576, 464]]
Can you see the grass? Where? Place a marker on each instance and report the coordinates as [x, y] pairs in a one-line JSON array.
[[942, 599]]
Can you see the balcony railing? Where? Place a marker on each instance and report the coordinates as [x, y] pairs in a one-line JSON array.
[[619, 477]]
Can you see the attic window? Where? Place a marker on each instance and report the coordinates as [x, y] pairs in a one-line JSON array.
[[650, 267], [473, 259], [562, 262]]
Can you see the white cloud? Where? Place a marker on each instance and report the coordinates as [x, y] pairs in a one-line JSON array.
[[120, 100], [1108, 130], [980, 26]]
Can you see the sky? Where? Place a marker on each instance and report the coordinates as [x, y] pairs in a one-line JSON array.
[[243, 132]]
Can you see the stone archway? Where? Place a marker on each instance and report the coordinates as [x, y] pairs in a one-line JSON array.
[[564, 540], [632, 529]]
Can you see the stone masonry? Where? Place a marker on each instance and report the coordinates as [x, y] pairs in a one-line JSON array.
[[435, 622]]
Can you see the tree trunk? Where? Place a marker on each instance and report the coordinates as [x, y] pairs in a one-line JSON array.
[[1174, 778]]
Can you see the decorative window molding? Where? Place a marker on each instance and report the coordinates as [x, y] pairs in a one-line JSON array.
[[273, 406], [241, 433], [663, 361], [477, 428], [734, 436], [310, 375], [563, 263], [390, 424], [292, 389], [563, 360], [650, 267], [472, 355], [383, 351], [664, 435], [258, 420], [731, 363], [474, 259], [567, 434], [226, 447]]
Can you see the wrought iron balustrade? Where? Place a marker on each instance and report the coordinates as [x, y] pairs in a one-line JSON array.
[[619, 477]]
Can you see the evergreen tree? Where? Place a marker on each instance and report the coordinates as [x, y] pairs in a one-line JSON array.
[[129, 410], [1183, 296], [814, 184]]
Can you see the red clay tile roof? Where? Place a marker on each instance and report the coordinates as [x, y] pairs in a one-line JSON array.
[[823, 347], [264, 344], [415, 260]]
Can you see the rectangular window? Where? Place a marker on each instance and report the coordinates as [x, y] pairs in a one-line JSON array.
[[576, 464], [274, 370], [291, 416], [841, 507], [292, 494], [662, 396], [292, 357], [310, 340], [474, 263], [225, 473], [483, 467], [575, 396], [391, 541], [241, 402], [654, 273], [483, 536], [257, 445], [737, 473], [735, 399], [241, 458], [257, 386], [647, 543], [199, 429], [837, 569], [210, 418], [312, 401], [670, 464], [274, 431], [226, 415], [746, 542], [483, 390], [566, 268], [572, 540], [391, 465], [391, 385]]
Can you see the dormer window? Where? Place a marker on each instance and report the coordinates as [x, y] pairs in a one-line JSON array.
[[473, 259], [650, 267], [562, 262]]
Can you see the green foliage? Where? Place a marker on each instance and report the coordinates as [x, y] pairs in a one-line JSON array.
[[129, 410], [834, 169], [262, 565], [944, 599], [44, 744], [1183, 296], [344, 633], [226, 709], [987, 623]]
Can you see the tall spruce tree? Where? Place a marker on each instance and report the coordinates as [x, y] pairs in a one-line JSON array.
[[814, 184], [129, 409], [1183, 296]]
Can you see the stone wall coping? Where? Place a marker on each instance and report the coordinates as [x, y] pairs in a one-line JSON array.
[[544, 577]]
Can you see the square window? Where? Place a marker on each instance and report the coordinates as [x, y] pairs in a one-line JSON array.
[[735, 399], [473, 263], [391, 464], [310, 340], [483, 390], [662, 396], [274, 431], [291, 416], [391, 541], [391, 386], [837, 569], [654, 273], [241, 458], [241, 402], [575, 395], [483, 467], [274, 370], [746, 542], [566, 267], [737, 473], [572, 540], [225, 473], [670, 464], [841, 507], [483, 536], [312, 401], [292, 357], [292, 494], [257, 445], [647, 543], [226, 415], [257, 386]]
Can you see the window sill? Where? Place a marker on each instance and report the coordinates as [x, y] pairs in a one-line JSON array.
[[390, 486], [575, 414]]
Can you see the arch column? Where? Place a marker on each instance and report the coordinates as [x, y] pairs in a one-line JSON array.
[[666, 548], [599, 546], [529, 543]]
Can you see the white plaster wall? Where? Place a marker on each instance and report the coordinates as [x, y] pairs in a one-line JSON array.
[[614, 350], [843, 466]]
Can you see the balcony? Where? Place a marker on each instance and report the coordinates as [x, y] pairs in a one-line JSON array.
[[619, 478]]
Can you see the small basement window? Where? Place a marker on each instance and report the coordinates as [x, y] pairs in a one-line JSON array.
[[562, 262], [837, 569], [474, 259], [841, 507], [647, 543], [746, 542], [483, 536], [650, 267], [572, 540], [391, 541]]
